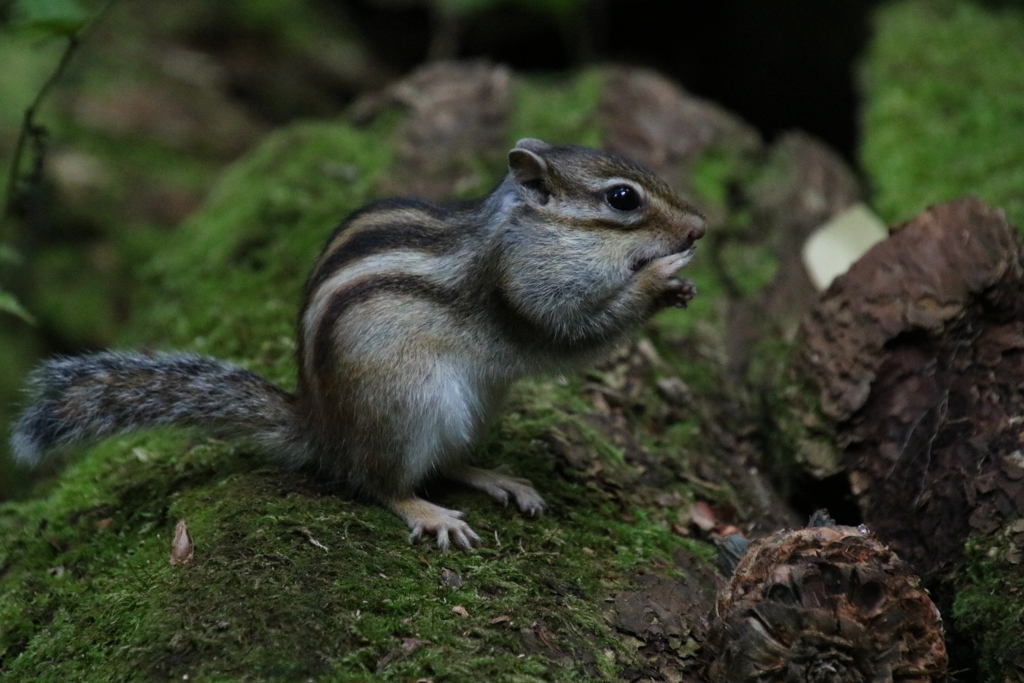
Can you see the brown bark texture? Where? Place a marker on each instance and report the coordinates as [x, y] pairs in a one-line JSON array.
[[916, 357]]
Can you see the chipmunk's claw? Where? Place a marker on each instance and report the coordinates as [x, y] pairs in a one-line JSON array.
[[448, 526]]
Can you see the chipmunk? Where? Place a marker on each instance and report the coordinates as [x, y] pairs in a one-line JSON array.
[[416, 320]]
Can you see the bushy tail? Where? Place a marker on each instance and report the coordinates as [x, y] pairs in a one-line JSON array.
[[84, 398]]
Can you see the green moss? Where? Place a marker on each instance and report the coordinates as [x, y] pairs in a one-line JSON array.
[[20, 350], [988, 609], [711, 176], [944, 106], [88, 591], [562, 110], [801, 440], [731, 162], [750, 266]]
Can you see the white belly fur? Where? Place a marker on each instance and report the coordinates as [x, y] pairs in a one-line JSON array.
[[445, 415]]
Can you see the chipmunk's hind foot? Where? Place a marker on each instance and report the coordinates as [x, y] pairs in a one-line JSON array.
[[447, 525], [500, 484]]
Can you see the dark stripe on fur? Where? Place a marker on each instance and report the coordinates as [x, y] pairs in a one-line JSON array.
[[352, 220], [382, 238], [364, 290]]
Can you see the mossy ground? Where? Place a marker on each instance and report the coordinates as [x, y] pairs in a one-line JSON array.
[[943, 85], [989, 607], [91, 595], [291, 581]]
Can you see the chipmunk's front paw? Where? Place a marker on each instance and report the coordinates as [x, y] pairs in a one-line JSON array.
[[668, 266], [668, 289], [447, 525], [678, 292]]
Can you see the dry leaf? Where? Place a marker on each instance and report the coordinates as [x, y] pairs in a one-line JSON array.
[[412, 644], [181, 546]]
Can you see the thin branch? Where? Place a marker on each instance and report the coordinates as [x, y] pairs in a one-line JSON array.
[[28, 125]]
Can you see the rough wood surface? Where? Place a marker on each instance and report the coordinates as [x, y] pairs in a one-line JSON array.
[[917, 358]]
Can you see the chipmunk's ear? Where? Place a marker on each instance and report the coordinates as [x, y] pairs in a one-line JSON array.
[[530, 170], [533, 145]]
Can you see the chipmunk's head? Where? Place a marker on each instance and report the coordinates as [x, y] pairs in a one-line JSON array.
[[604, 211]]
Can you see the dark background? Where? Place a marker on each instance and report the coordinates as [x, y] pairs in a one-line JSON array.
[[781, 65]]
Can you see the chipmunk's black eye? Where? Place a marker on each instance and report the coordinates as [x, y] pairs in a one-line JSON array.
[[623, 198]]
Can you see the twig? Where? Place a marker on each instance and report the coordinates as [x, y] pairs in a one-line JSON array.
[[28, 125]]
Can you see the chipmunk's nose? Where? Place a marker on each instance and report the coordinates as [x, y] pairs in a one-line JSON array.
[[696, 226]]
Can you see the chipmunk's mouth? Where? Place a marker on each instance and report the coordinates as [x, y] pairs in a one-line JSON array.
[[696, 226], [646, 257]]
